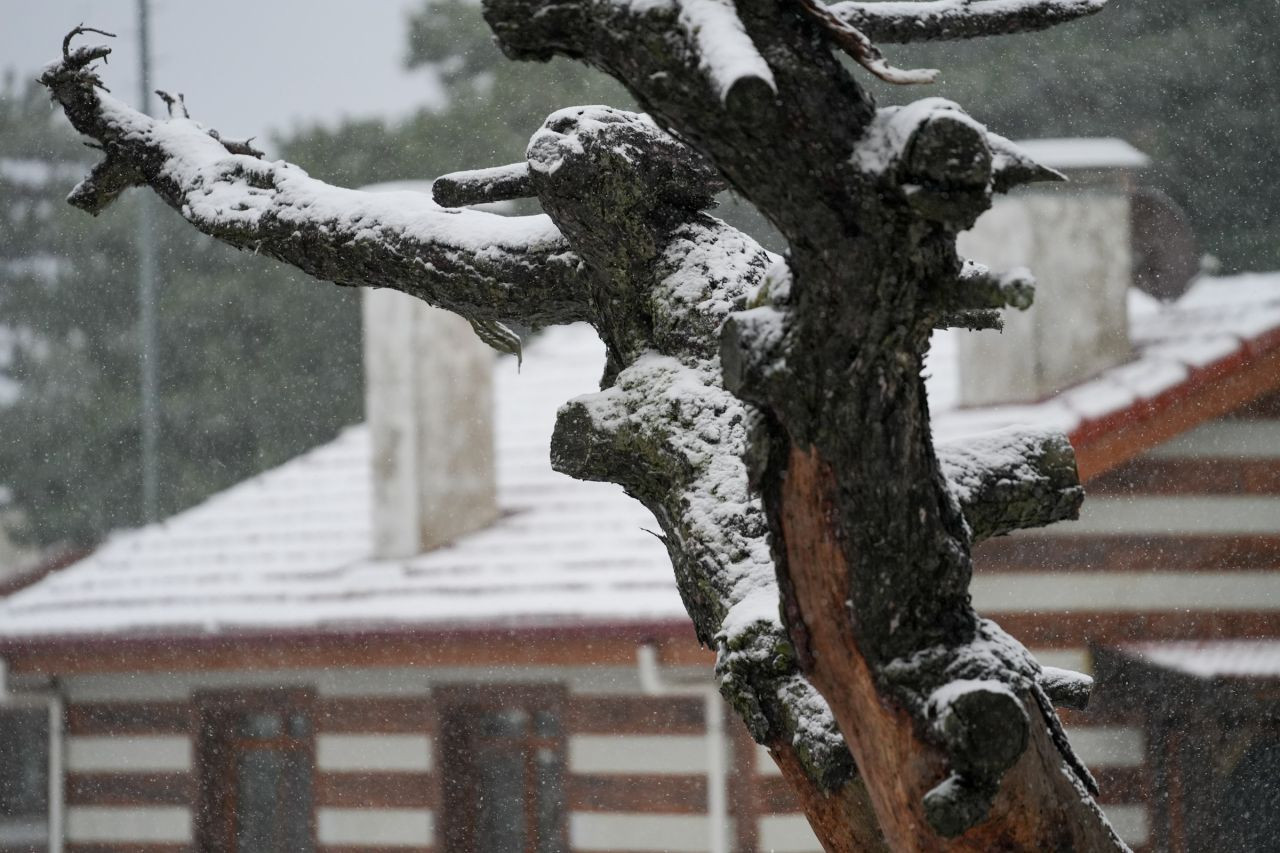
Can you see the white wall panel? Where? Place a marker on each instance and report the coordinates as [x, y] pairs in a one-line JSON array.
[[1130, 822], [408, 753], [1027, 592], [140, 824], [787, 834], [376, 827], [678, 754], [129, 754], [1249, 439], [648, 832], [1108, 746]]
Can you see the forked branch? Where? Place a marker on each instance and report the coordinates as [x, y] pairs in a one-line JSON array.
[[850, 39], [485, 267]]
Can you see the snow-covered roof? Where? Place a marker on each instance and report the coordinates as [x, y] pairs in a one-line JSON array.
[[1217, 322], [1085, 153], [1213, 658], [289, 549]]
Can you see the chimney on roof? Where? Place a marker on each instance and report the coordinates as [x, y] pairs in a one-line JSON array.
[[1076, 240], [429, 405]]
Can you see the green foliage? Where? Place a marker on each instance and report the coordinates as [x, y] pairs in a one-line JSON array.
[[1191, 83], [255, 364]]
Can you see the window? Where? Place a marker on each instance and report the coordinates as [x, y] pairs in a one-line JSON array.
[[503, 752], [24, 777], [256, 759]]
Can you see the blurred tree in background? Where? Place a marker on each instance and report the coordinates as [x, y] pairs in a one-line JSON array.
[[494, 106], [1191, 83], [69, 439]]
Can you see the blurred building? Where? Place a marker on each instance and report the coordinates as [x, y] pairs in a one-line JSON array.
[[419, 637]]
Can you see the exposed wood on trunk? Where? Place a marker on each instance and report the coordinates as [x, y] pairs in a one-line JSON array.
[[1040, 805], [812, 393]]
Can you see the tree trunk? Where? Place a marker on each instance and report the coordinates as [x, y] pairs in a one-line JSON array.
[[770, 413]]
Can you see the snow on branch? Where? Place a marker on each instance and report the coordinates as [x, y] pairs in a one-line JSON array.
[[668, 431], [852, 40], [933, 144], [725, 51], [482, 186], [485, 267], [973, 301], [1067, 688], [1011, 166], [897, 21], [1012, 479]]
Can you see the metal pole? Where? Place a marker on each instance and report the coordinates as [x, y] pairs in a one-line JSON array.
[[146, 297]]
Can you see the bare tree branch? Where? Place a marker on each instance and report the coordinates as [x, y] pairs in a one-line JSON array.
[[1012, 479], [1066, 688], [482, 186], [486, 267], [870, 525], [900, 21], [852, 41]]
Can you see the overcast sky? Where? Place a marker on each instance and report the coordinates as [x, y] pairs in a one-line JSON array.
[[245, 66]]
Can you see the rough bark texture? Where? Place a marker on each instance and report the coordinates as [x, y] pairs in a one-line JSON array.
[[770, 413]]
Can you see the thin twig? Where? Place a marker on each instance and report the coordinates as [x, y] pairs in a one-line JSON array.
[[852, 41], [66, 41]]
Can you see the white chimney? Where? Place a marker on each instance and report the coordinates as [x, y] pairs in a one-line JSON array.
[[429, 405], [1075, 238]]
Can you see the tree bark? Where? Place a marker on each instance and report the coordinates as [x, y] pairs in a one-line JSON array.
[[770, 413]]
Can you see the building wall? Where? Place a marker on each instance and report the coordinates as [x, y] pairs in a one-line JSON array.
[[636, 764], [1182, 542]]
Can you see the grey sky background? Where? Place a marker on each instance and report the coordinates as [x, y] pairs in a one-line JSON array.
[[246, 66]]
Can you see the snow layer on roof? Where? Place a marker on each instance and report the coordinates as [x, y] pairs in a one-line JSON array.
[[289, 549], [1216, 658], [1216, 319], [1085, 153]]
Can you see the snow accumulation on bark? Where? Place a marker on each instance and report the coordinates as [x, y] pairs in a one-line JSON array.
[[933, 20], [769, 411], [484, 266]]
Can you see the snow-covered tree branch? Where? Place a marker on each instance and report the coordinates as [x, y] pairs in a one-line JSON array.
[[769, 411], [939, 20], [488, 268]]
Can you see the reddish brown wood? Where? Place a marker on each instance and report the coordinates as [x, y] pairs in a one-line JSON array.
[[1266, 407], [1127, 553], [1216, 390], [1038, 807], [1075, 629], [131, 789], [1123, 784], [375, 790], [744, 800], [375, 715], [844, 820], [127, 847], [121, 718], [343, 848], [602, 645], [638, 793], [608, 715], [1162, 476], [776, 796], [460, 709]]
